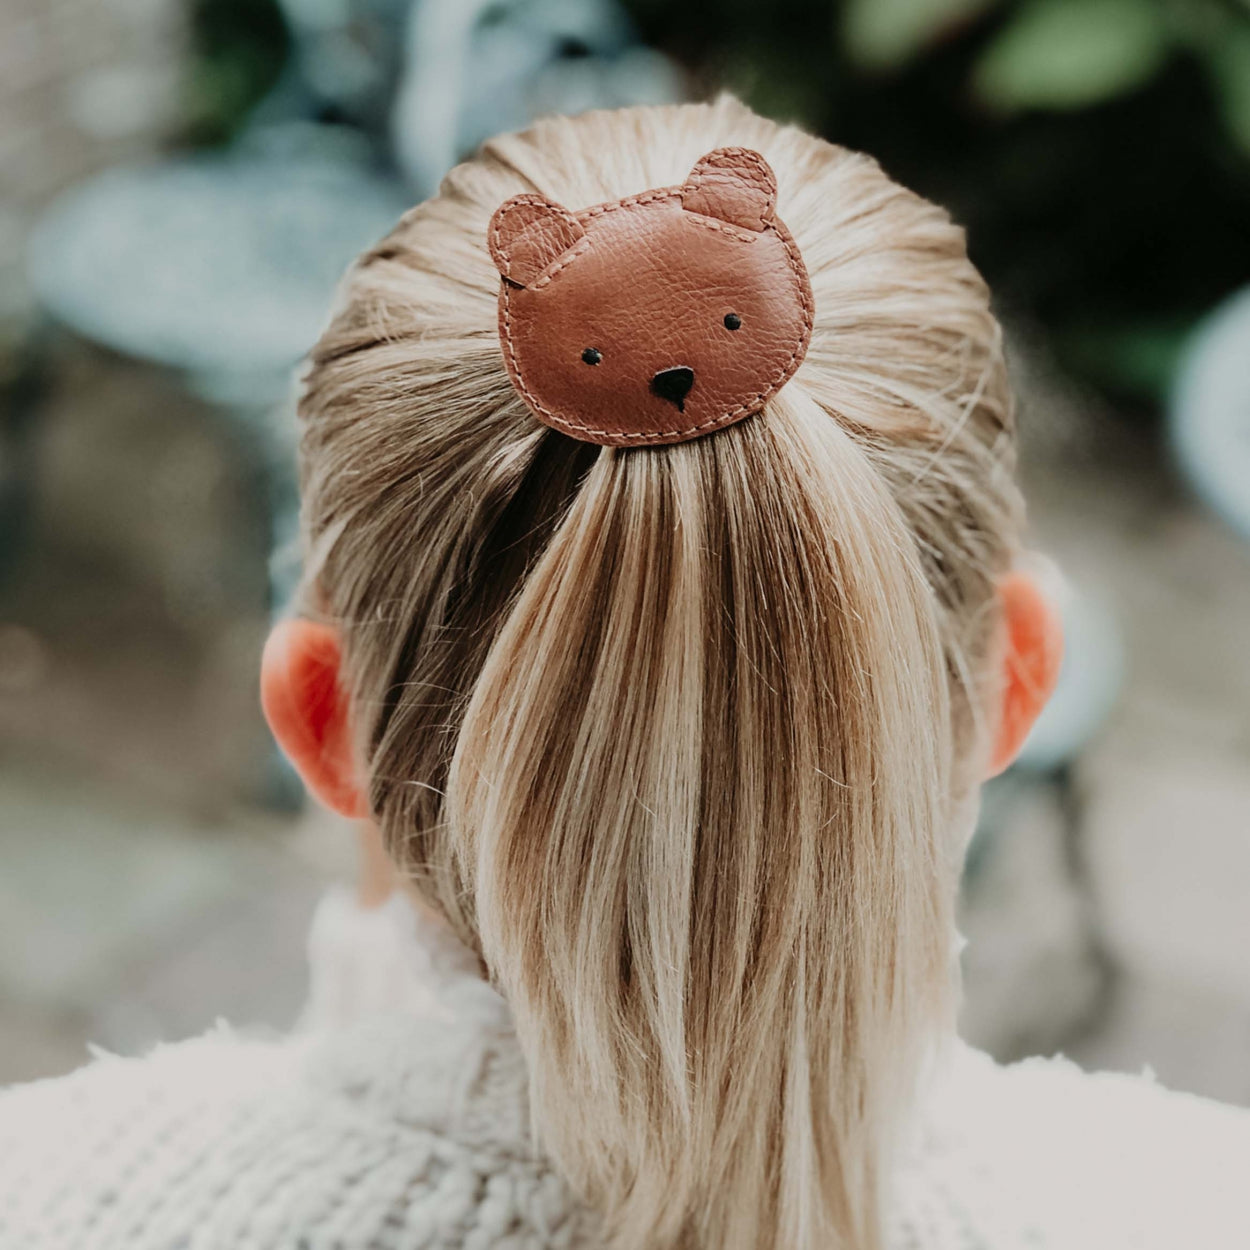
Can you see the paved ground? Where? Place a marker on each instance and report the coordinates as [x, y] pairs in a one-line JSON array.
[[148, 884]]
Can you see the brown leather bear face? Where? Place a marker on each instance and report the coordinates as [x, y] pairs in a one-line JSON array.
[[656, 318]]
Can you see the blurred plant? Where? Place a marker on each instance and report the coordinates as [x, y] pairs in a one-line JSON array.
[[884, 34], [475, 67], [418, 83], [1097, 150], [1066, 54], [1210, 411], [238, 49]]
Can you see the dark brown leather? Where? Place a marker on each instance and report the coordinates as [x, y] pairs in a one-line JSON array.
[[648, 282]]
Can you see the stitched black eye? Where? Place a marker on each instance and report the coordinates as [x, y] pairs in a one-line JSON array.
[[732, 321], [592, 356]]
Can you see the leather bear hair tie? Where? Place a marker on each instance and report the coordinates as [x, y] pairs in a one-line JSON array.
[[656, 318]]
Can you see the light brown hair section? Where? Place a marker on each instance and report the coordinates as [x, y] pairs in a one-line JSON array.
[[674, 736]]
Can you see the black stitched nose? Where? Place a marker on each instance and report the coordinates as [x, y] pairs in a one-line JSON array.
[[674, 385]]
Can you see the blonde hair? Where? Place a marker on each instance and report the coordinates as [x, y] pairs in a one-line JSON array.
[[674, 736]]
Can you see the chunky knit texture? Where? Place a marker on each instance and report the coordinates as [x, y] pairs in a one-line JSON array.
[[396, 1117]]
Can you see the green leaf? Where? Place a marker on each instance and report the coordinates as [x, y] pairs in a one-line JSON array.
[[884, 34], [1136, 358], [1228, 63], [1068, 54]]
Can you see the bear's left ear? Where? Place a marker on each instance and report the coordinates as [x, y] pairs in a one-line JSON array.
[[527, 233], [735, 185]]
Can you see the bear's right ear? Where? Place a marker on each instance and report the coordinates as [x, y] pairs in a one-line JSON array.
[[736, 185], [527, 233]]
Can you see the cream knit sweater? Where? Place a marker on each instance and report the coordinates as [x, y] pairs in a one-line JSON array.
[[395, 1117]]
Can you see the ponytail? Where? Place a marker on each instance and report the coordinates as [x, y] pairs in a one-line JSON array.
[[674, 737], [698, 797]]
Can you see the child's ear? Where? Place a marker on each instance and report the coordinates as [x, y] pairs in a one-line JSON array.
[[735, 185], [1031, 662], [306, 707], [527, 233]]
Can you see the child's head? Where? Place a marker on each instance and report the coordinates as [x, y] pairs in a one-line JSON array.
[[679, 737]]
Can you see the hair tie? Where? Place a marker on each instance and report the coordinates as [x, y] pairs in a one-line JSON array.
[[656, 318]]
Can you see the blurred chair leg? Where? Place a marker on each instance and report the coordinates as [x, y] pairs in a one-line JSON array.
[[1071, 803], [24, 386]]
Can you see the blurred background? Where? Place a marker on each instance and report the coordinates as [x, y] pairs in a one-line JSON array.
[[182, 181]]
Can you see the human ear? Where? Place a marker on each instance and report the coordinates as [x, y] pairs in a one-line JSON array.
[[1032, 654], [306, 707]]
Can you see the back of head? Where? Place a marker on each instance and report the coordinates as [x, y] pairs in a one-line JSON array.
[[674, 735]]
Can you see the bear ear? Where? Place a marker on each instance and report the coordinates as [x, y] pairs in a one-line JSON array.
[[527, 233], [734, 184]]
